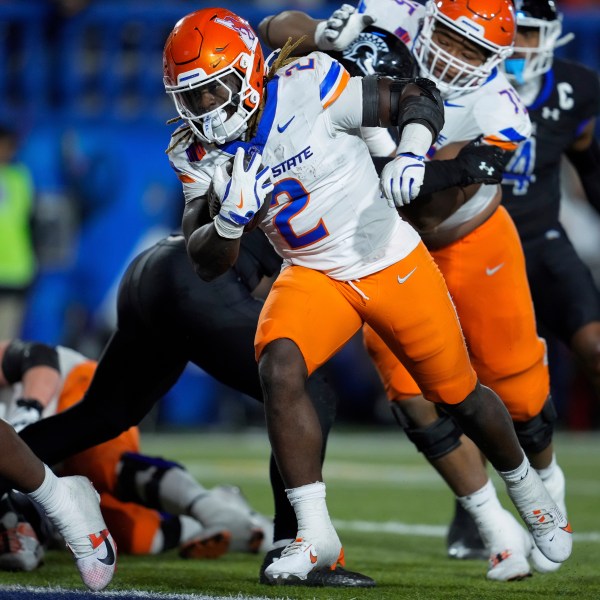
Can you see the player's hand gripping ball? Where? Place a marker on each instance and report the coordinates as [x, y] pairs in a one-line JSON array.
[[240, 193]]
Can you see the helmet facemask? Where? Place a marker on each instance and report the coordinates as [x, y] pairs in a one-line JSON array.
[[530, 62], [452, 75], [216, 107]]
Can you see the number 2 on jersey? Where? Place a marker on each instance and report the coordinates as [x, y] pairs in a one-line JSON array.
[[292, 191]]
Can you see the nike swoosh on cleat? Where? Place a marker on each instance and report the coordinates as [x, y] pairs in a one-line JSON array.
[[313, 556], [109, 559], [490, 271], [403, 279], [282, 128], [567, 528]]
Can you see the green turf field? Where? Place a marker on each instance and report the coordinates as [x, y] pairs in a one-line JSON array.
[[391, 511]]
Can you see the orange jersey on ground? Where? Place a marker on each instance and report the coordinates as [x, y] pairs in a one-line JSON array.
[[485, 274]]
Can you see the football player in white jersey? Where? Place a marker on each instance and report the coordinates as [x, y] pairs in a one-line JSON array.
[[348, 258], [459, 45]]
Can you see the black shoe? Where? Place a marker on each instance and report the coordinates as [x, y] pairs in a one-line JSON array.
[[337, 577], [463, 540]]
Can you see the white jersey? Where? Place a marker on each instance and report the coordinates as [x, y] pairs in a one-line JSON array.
[[494, 111], [403, 18], [327, 212]]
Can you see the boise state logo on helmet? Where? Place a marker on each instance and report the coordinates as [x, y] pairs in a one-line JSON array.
[[378, 51], [241, 27]]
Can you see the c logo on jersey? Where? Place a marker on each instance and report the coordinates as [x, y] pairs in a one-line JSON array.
[[565, 92], [241, 28]]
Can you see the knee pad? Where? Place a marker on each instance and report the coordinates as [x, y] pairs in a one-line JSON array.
[[132, 464], [535, 434], [434, 441]]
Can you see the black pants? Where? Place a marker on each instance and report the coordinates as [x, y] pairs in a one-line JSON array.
[[168, 316], [564, 293]]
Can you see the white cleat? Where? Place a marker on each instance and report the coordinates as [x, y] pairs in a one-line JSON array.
[[508, 559], [556, 488], [541, 564], [80, 523], [301, 557], [549, 527], [20, 549], [551, 532]]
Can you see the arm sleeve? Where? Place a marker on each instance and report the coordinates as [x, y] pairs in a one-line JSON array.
[[379, 140]]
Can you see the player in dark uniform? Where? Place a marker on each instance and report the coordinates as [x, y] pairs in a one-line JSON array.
[[167, 317], [563, 99]]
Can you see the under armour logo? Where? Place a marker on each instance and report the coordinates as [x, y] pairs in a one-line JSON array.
[[550, 113], [484, 167]]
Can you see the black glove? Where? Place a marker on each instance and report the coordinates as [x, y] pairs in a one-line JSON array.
[[477, 162], [481, 163]]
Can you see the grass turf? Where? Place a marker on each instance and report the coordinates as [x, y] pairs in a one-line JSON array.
[[379, 490]]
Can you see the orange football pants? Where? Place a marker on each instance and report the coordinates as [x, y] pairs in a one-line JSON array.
[[133, 526], [485, 273], [407, 304]]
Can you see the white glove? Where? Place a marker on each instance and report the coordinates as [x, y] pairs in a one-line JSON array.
[[342, 27], [241, 195], [402, 178]]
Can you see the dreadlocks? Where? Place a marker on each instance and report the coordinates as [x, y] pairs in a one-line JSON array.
[[284, 58]]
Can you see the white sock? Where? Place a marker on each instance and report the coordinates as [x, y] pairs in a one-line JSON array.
[[548, 471], [310, 507], [516, 476], [525, 488], [554, 481], [48, 495], [484, 506], [481, 501]]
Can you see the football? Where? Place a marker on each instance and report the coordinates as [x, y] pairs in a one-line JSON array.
[[214, 204]]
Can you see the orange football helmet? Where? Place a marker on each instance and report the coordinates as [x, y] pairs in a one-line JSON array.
[[489, 24], [213, 68]]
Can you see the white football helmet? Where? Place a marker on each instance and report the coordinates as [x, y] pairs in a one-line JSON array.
[[531, 62]]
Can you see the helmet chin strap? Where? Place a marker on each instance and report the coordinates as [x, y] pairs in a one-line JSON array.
[[220, 128]]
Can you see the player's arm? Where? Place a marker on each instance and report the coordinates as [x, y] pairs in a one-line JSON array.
[[213, 246], [334, 33], [415, 107], [431, 208], [584, 155], [36, 367], [211, 254]]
